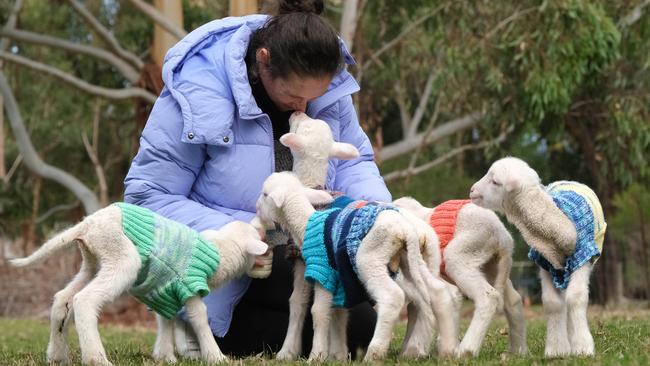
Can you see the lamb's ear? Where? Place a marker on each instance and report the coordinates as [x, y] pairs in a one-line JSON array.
[[256, 247], [277, 197], [344, 151], [510, 182], [293, 141], [318, 197]]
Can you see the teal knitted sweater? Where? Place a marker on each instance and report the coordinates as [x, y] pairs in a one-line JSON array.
[[176, 261]]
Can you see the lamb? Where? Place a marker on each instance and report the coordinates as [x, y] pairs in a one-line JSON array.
[[312, 145], [285, 202], [124, 247], [563, 223], [476, 254]]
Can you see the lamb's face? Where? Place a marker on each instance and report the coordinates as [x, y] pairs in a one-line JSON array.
[[312, 140], [506, 176], [241, 234], [276, 187]]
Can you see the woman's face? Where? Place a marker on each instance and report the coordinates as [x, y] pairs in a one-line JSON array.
[[293, 92]]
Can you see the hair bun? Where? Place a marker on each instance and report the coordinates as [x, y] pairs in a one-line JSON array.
[[300, 6]]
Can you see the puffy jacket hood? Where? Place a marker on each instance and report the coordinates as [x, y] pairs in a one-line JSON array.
[[206, 74]]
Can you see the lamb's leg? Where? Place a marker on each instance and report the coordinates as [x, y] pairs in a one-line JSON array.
[[388, 295], [472, 283], [339, 335], [577, 300], [298, 305], [514, 310], [321, 312], [113, 278], [62, 313], [197, 315], [163, 349], [557, 340], [419, 329]]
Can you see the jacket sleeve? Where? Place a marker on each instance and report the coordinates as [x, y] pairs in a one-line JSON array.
[[359, 178], [163, 172]]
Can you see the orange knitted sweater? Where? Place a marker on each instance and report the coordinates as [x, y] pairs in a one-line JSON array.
[[443, 221]]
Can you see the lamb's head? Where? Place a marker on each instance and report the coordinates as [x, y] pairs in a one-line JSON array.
[[505, 177], [239, 234], [278, 191], [415, 207], [312, 145]]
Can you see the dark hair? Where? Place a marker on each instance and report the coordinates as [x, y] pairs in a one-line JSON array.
[[299, 41]]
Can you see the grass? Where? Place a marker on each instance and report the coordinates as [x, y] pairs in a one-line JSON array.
[[622, 338]]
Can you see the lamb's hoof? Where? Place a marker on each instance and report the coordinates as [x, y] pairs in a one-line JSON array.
[[556, 353], [519, 351], [374, 354], [340, 356], [285, 355], [168, 358], [317, 356], [584, 351], [57, 357], [466, 352], [214, 358], [413, 352], [97, 361]]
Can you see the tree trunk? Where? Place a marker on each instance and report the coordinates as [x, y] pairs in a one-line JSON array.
[[3, 167], [238, 8], [163, 40]]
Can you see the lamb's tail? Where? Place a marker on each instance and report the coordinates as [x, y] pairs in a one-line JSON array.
[[504, 261], [416, 268], [56, 244]]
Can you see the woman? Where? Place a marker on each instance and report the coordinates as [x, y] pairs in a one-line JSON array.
[[212, 139]]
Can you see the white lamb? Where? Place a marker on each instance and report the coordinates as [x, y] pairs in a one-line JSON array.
[[476, 254], [122, 245], [285, 202], [563, 223], [312, 146]]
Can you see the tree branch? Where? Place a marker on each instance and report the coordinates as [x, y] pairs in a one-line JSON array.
[[390, 44], [106, 35], [400, 99], [432, 123], [11, 24], [128, 71], [131, 92], [54, 210], [91, 149], [34, 162], [422, 105], [503, 23], [159, 18], [449, 128], [439, 160], [633, 16]]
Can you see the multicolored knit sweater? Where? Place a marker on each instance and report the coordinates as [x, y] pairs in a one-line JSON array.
[[176, 261], [443, 221], [330, 245], [582, 207]]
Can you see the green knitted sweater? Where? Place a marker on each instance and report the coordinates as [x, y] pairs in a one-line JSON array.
[[176, 261]]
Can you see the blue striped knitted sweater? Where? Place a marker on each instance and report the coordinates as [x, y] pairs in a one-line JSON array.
[[586, 215], [330, 245]]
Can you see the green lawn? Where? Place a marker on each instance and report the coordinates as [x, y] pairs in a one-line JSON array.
[[622, 339]]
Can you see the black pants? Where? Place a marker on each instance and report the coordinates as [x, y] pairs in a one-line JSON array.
[[260, 320]]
